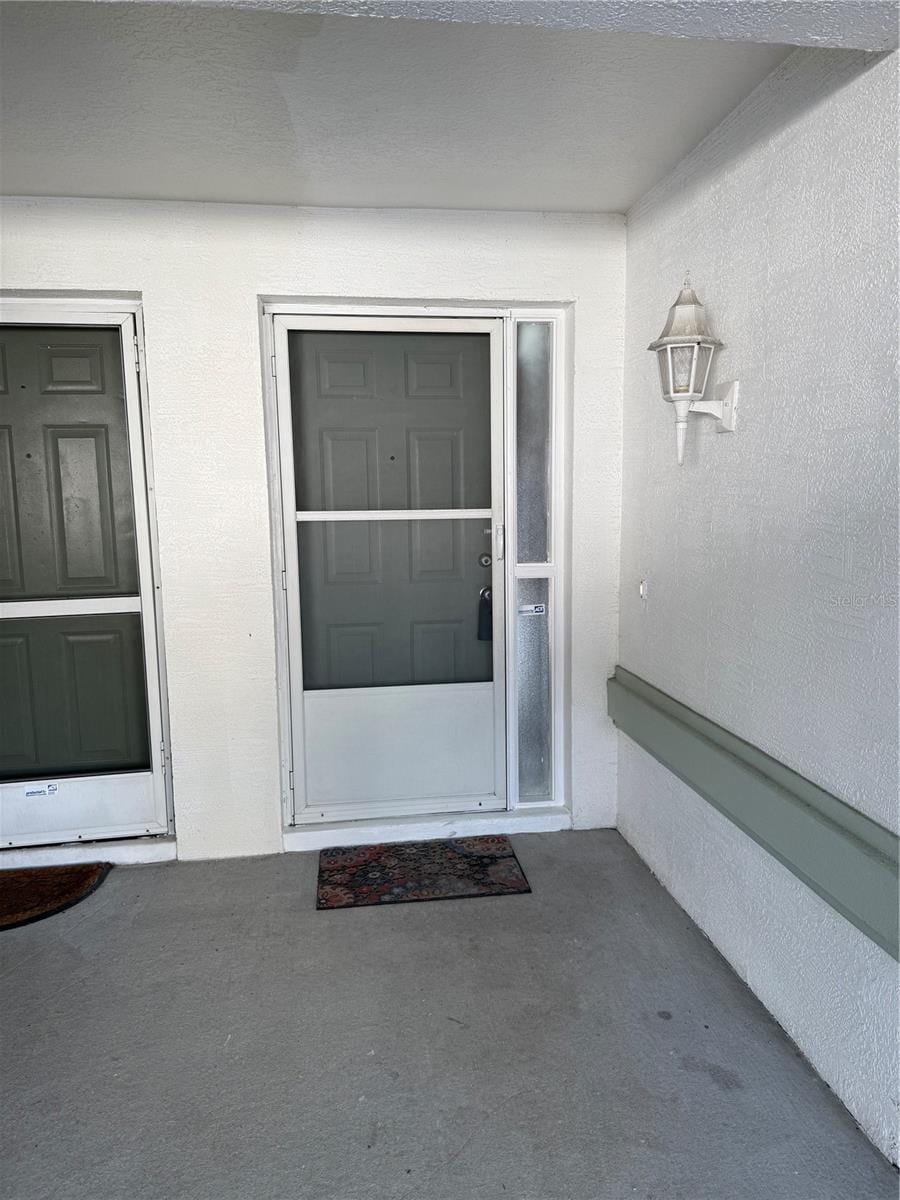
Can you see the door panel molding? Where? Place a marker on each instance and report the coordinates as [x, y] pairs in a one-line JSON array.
[[431, 375], [344, 375], [424, 464], [336, 448], [72, 369], [83, 533]]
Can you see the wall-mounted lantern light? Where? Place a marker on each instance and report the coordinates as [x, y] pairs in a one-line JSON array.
[[684, 352]]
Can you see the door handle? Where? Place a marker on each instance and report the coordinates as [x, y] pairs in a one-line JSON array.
[[500, 542], [485, 616]]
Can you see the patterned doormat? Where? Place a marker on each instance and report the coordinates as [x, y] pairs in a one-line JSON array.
[[401, 872], [32, 893]]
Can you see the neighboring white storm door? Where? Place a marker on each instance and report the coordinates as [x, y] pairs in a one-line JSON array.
[[80, 717], [393, 503]]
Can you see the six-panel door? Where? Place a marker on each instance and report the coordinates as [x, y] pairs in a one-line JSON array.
[[392, 421]]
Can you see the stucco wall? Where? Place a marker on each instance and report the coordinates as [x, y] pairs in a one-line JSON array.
[[828, 985], [200, 270], [771, 555]]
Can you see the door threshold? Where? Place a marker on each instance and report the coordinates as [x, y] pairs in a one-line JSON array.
[[124, 852], [534, 819]]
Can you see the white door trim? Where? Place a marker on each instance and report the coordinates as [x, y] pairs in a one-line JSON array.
[[528, 819], [126, 315]]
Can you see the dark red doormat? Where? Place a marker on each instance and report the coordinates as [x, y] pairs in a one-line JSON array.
[[32, 893], [401, 872]]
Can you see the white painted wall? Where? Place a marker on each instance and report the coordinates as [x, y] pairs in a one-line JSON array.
[[200, 270], [763, 552], [829, 986]]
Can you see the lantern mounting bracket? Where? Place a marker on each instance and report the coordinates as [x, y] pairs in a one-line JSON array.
[[723, 407]]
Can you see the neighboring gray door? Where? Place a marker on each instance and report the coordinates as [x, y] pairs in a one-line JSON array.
[[396, 421], [73, 698]]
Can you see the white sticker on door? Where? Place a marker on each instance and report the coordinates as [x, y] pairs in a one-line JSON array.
[[532, 610], [36, 791]]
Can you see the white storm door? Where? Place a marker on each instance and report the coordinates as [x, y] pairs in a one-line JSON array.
[[391, 434], [80, 708]]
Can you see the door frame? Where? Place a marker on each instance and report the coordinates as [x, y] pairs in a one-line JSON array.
[[365, 316], [127, 316]]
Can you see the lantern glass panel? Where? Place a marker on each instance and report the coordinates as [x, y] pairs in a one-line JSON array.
[[704, 357], [662, 361], [682, 361]]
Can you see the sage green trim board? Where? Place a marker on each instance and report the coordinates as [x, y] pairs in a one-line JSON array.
[[846, 858]]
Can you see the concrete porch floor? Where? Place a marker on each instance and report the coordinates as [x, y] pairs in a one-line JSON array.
[[198, 1030]]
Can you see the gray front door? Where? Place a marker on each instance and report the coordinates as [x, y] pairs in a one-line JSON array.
[[73, 689], [391, 421]]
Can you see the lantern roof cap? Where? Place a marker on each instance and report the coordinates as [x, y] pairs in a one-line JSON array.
[[686, 322]]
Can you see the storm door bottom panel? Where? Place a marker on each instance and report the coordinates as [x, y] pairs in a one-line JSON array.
[[400, 750]]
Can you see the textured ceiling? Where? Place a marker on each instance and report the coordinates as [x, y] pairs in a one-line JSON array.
[[215, 103], [847, 24]]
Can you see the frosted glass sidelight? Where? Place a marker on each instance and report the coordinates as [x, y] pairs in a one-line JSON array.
[[534, 358], [391, 603], [534, 695]]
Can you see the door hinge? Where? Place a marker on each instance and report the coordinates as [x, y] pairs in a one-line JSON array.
[[284, 581], [272, 361], [137, 355], [162, 751], [291, 780]]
